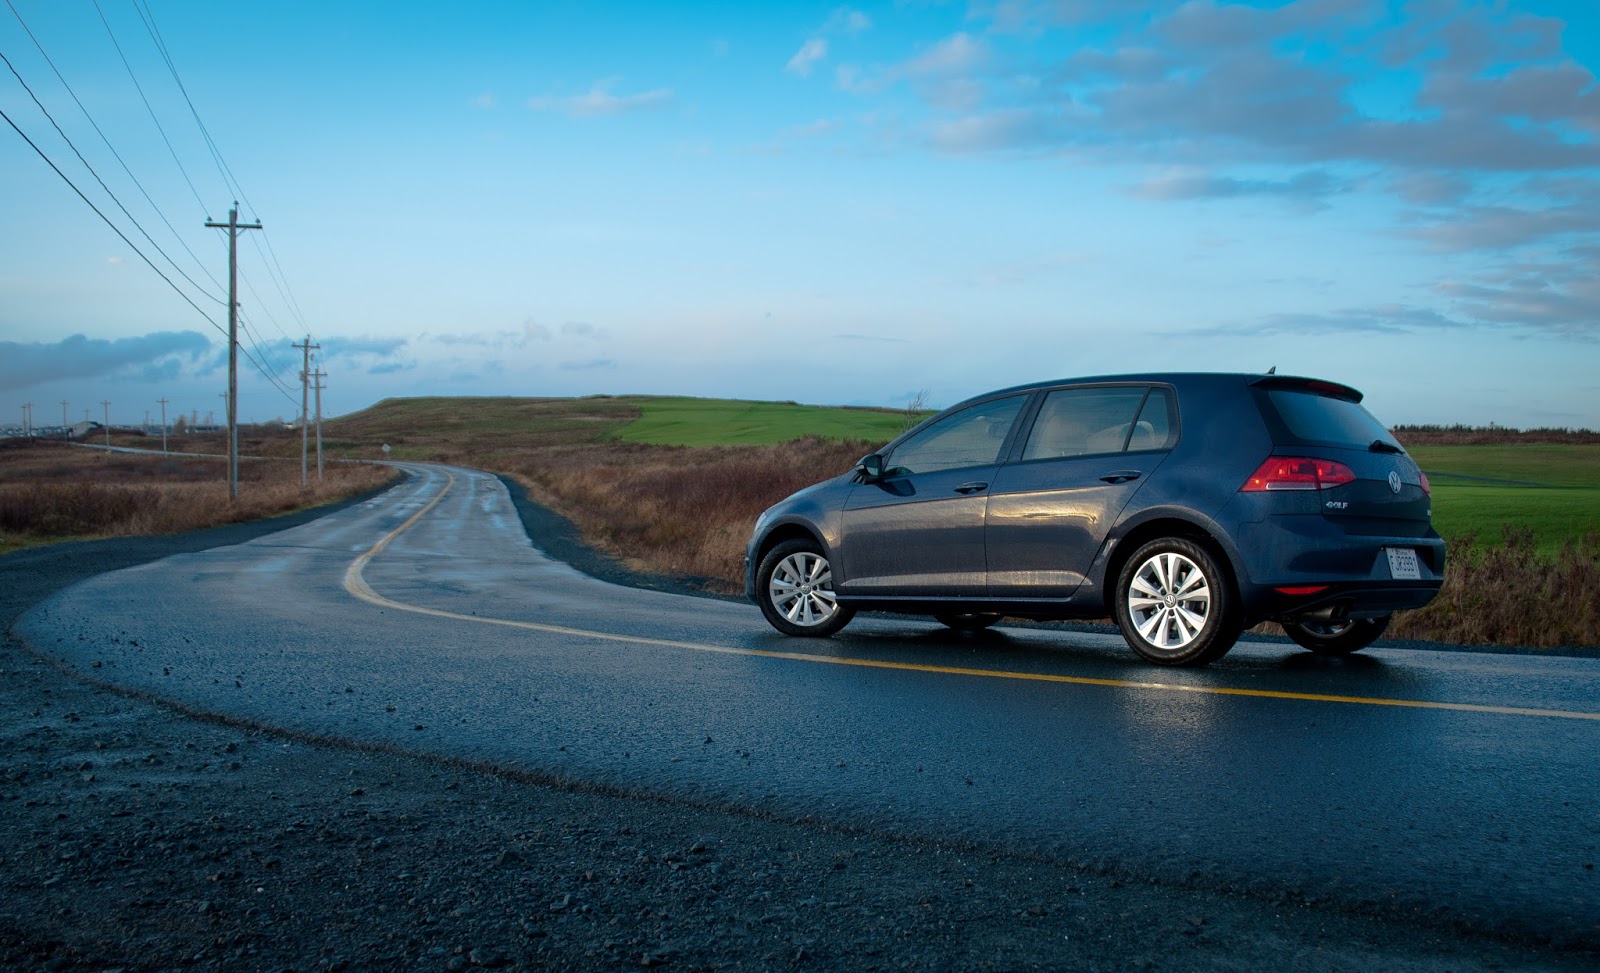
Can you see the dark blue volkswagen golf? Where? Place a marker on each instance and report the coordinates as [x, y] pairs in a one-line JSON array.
[[1187, 506]]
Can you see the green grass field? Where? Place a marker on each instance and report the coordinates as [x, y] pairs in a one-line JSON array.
[[1554, 491], [730, 422]]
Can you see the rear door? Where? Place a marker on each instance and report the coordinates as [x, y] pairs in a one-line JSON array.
[[1086, 453]]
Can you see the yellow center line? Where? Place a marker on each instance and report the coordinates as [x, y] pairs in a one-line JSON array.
[[356, 584]]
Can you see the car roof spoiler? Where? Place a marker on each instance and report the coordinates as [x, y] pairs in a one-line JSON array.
[[1316, 386]]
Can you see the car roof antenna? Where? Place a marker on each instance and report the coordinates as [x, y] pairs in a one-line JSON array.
[[1273, 370]]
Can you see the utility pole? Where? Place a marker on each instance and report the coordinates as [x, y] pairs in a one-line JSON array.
[[305, 424], [163, 426], [27, 419], [66, 427], [233, 227], [108, 422], [319, 375], [147, 420]]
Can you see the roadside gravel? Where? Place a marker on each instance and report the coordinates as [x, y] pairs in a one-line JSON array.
[[135, 837]]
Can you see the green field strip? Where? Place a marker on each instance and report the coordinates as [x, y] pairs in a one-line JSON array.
[[668, 421]]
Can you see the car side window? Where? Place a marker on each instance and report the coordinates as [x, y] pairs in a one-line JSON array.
[[1083, 422], [1153, 429], [971, 437]]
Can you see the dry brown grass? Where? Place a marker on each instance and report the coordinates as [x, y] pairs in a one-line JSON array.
[[1512, 595], [53, 491], [678, 509]]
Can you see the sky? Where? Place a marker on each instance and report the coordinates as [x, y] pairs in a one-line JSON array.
[[829, 204]]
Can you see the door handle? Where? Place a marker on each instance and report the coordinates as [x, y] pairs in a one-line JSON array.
[[972, 486], [1122, 476]]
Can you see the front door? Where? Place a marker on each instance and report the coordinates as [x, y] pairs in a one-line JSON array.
[[918, 531]]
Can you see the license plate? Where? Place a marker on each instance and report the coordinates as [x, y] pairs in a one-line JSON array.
[[1403, 564]]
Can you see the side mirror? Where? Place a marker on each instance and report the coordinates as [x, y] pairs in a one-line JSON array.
[[870, 467]]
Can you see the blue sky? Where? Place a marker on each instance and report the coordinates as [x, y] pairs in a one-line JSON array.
[[825, 203]]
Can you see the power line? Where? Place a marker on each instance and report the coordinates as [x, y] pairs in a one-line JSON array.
[[112, 34], [263, 305], [64, 178], [261, 348], [280, 280], [102, 182], [149, 20], [115, 154], [115, 229]]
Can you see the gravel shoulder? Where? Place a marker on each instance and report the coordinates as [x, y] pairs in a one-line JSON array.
[[134, 836]]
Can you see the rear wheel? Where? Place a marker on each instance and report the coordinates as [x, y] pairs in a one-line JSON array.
[[973, 622], [1175, 605], [795, 584], [1337, 638]]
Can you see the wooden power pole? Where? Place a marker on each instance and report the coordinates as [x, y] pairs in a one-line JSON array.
[[305, 416], [233, 226]]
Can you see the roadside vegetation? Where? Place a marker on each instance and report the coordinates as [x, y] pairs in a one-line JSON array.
[[52, 491], [672, 486]]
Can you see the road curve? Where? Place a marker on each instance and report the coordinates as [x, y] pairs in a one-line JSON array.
[[1451, 785]]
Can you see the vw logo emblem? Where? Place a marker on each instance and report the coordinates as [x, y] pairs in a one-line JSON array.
[[1394, 481]]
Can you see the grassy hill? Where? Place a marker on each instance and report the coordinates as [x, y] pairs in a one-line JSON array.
[[430, 427], [416, 428]]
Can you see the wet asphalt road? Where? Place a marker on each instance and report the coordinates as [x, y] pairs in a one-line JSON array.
[[1460, 785]]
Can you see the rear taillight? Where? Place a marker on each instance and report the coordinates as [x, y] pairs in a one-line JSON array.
[[1425, 487], [1298, 473]]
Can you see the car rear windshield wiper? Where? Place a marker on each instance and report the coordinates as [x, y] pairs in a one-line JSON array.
[[1379, 446]]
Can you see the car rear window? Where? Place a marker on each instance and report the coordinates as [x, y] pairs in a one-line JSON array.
[[1311, 418]]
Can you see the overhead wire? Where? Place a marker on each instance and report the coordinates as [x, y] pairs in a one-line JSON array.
[[257, 349], [280, 280], [131, 218], [134, 247], [148, 19], [140, 88], [114, 228], [114, 153], [261, 348]]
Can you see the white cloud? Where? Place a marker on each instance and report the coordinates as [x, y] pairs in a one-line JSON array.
[[959, 53], [846, 20], [811, 53], [600, 101]]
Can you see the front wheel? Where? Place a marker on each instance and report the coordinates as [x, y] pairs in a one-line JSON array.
[[1337, 638], [795, 590], [1175, 605]]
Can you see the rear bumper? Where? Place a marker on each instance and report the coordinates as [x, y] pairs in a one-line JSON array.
[[1341, 602], [1351, 572]]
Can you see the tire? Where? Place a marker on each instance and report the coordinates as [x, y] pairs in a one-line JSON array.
[[1175, 604], [1337, 638], [794, 588], [973, 622]]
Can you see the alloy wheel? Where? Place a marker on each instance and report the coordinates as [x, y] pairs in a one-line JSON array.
[[1169, 600]]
